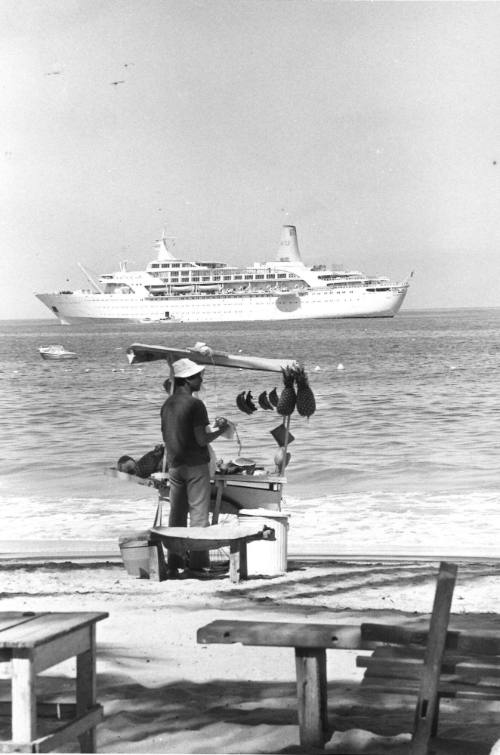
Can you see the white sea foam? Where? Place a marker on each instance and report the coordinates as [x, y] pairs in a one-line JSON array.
[[343, 524]]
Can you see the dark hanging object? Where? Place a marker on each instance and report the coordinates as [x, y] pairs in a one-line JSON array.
[[249, 402], [241, 404], [306, 403], [273, 397], [287, 399], [264, 402]]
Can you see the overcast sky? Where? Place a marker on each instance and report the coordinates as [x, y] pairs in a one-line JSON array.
[[373, 127]]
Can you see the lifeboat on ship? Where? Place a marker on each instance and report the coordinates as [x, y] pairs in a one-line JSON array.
[[182, 289]]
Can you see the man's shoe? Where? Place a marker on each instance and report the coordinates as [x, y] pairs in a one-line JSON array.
[[173, 574], [219, 566], [204, 573]]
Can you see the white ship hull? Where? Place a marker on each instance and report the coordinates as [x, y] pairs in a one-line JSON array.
[[171, 290], [237, 307]]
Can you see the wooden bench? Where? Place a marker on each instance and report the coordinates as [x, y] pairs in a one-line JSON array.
[[437, 662], [469, 669], [183, 539], [29, 644]]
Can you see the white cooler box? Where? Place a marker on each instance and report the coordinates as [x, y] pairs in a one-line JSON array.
[[267, 557]]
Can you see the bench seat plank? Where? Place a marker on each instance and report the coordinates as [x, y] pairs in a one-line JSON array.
[[470, 642], [283, 634], [449, 686], [45, 628], [452, 659], [411, 668]]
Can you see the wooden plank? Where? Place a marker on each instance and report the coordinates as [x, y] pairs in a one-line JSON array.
[[283, 634], [448, 687], [86, 690], [478, 693], [398, 669], [475, 642], [470, 642], [23, 698], [477, 670], [452, 662], [60, 648], [72, 730], [428, 699], [60, 710], [141, 352], [310, 666], [46, 627], [393, 633], [14, 618], [398, 666], [390, 685]]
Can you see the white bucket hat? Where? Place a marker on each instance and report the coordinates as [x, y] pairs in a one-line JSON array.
[[184, 368]]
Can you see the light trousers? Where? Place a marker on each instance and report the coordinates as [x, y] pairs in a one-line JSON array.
[[189, 495]]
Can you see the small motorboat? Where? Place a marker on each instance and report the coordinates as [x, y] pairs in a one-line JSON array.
[[148, 320], [56, 352]]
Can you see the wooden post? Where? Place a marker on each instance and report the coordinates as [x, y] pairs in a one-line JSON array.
[[310, 665], [427, 710], [86, 690], [219, 486], [157, 565], [238, 568], [23, 697], [243, 560], [286, 422], [159, 512]]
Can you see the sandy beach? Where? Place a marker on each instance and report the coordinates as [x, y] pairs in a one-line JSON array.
[[164, 693]]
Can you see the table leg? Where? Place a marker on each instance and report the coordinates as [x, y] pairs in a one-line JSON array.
[[218, 501], [238, 568], [23, 697], [86, 691], [310, 665], [159, 513], [157, 565], [243, 560]]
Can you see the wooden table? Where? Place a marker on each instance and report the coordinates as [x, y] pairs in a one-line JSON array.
[[247, 491], [183, 539], [230, 492], [32, 642]]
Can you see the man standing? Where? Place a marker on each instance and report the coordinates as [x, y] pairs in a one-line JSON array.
[[186, 433]]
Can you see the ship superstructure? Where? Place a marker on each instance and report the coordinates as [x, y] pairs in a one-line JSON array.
[[173, 289]]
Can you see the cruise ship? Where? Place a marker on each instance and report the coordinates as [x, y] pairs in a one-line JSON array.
[[171, 290]]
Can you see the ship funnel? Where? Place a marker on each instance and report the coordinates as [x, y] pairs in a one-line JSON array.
[[288, 250], [164, 248]]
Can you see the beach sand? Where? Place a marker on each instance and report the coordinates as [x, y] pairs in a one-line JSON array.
[[164, 693]]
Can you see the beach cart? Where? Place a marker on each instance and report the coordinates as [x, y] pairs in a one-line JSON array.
[[238, 488]]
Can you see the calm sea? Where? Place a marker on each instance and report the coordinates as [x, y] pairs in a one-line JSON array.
[[403, 451]]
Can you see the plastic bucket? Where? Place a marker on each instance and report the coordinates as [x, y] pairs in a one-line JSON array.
[[134, 550], [267, 557]]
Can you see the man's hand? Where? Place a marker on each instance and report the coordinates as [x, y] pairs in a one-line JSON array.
[[221, 423]]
